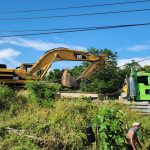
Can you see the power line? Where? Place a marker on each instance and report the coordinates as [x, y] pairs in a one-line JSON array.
[[143, 60], [58, 29], [80, 30], [76, 7], [76, 15], [37, 30], [136, 62]]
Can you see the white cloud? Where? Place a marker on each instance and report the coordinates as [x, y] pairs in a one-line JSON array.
[[36, 44], [122, 62], [139, 47], [8, 52], [7, 56]]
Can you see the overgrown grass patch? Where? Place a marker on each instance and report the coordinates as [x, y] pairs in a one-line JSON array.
[[10, 100], [42, 93], [61, 126]]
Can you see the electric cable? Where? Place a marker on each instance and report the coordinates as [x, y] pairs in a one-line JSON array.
[[79, 30], [76, 7], [76, 15], [37, 30], [135, 62]]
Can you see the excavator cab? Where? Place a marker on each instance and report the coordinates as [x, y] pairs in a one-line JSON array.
[[25, 67]]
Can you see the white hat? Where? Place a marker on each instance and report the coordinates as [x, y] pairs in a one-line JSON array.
[[136, 124]]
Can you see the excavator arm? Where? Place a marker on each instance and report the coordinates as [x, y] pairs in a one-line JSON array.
[[92, 69], [44, 63], [38, 70]]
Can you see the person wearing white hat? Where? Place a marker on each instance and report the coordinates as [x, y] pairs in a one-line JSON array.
[[132, 137]]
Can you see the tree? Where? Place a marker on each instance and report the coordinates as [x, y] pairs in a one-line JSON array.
[[54, 75], [77, 70], [146, 68], [128, 66], [108, 80]]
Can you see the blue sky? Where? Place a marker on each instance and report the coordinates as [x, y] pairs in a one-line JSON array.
[[130, 43]]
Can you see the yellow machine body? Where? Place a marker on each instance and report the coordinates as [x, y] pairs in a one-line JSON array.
[[38, 70]]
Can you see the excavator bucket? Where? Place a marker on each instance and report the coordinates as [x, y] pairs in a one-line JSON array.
[[67, 80]]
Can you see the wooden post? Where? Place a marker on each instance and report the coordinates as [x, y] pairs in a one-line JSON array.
[[97, 138]]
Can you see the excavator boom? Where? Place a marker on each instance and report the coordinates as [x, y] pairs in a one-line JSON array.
[[61, 54], [38, 70]]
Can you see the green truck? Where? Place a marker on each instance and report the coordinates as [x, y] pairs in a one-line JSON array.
[[138, 86]]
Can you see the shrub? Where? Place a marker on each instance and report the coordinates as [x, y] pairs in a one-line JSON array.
[[10, 100], [7, 97], [111, 129], [129, 116], [42, 93], [62, 126], [68, 121]]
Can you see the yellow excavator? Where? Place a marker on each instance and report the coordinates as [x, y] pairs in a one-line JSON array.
[[38, 70]]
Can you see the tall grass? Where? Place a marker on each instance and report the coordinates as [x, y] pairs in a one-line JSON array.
[[10, 100], [41, 93], [60, 126]]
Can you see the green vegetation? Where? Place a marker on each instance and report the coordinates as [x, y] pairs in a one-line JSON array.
[[26, 125], [111, 128], [54, 75], [37, 118], [42, 93], [107, 81], [5, 97], [9, 97]]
